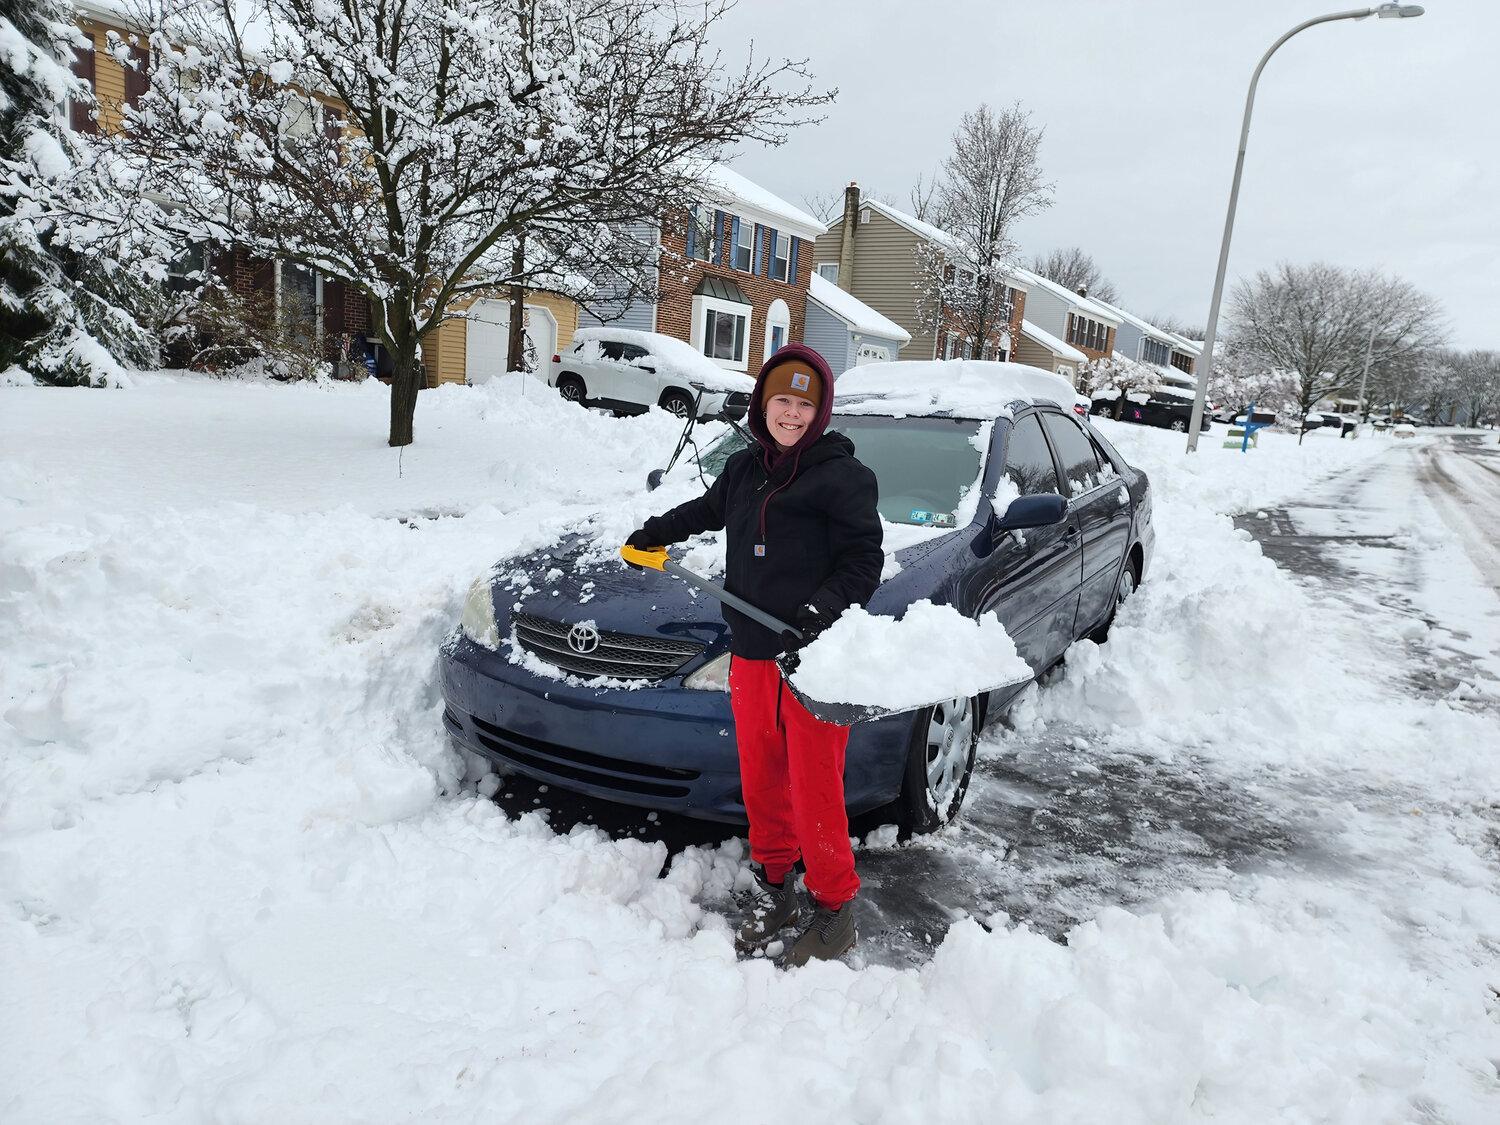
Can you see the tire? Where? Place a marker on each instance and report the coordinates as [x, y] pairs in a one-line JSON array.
[[939, 764], [572, 389], [1125, 585], [1179, 425], [676, 402]]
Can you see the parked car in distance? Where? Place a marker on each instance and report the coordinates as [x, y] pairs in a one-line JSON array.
[[1168, 413], [629, 372], [575, 670]]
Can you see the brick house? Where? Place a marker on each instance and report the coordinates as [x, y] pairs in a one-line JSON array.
[[870, 252], [733, 278]]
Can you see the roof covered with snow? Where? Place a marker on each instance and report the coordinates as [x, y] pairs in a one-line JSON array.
[[1166, 336], [1052, 343], [733, 192], [967, 388], [1087, 305], [673, 356], [855, 313]]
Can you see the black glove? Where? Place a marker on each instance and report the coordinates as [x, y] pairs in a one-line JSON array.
[[641, 542], [811, 620]]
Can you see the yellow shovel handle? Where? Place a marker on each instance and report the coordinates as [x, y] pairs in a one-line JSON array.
[[654, 557]]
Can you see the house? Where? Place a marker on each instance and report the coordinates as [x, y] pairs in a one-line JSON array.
[[870, 252], [1143, 342], [734, 274], [1083, 324], [1040, 348], [847, 332]]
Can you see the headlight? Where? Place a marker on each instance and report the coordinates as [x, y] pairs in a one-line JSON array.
[[713, 676], [478, 621]]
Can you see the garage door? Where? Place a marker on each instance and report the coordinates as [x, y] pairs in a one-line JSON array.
[[489, 339]]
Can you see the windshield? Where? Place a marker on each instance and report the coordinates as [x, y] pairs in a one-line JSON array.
[[923, 466]]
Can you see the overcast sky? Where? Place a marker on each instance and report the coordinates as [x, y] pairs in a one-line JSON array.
[[1374, 143]]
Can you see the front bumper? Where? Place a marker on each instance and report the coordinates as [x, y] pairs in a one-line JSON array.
[[661, 746]]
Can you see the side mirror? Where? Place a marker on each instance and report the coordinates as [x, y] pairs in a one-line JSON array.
[[1032, 511], [653, 479]]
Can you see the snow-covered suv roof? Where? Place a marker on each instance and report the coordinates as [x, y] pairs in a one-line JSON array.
[[964, 388]]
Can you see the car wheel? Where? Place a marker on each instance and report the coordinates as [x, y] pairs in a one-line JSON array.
[[1124, 586], [571, 388], [939, 763], [675, 402], [1179, 425]]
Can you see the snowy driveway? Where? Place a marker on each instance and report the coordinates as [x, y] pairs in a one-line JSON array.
[[1239, 863]]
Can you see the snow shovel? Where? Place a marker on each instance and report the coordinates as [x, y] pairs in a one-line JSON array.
[[835, 712]]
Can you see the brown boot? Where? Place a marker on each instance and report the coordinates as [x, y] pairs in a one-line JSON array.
[[830, 936], [776, 910]]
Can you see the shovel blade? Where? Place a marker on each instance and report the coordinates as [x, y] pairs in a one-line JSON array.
[[848, 714]]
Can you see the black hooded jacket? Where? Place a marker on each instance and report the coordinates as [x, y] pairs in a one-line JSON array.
[[801, 524]]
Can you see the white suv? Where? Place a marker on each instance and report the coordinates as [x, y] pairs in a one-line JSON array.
[[630, 372]]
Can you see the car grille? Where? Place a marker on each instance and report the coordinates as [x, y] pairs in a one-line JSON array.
[[540, 756], [622, 656]]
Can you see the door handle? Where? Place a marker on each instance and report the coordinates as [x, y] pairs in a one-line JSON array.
[[1071, 533]]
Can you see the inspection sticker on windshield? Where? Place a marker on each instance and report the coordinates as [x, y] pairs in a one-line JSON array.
[[936, 519]]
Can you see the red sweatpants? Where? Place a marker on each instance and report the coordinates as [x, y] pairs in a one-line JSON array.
[[792, 777]]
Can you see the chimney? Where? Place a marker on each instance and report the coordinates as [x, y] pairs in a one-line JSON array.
[[1083, 290], [846, 238]]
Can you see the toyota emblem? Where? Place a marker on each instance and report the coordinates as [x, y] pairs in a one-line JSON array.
[[583, 638]]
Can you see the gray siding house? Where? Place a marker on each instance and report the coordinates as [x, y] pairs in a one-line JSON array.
[[847, 332]]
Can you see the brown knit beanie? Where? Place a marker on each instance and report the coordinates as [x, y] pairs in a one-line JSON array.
[[793, 377]]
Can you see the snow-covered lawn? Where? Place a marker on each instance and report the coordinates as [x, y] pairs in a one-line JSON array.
[[245, 879]]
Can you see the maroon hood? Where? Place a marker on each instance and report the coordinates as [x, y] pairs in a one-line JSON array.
[[757, 415]]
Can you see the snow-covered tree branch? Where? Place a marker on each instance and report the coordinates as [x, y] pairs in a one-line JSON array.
[[403, 148]]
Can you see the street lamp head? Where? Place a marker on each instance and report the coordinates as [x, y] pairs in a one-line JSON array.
[[1398, 11]]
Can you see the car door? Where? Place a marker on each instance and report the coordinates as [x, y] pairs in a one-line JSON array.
[[1031, 578], [639, 384], [606, 374], [1100, 503]]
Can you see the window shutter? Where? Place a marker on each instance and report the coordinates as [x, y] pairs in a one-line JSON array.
[[80, 119], [791, 265], [718, 238], [137, 75], [755, 250], [770, 248], [333, 123], [692, 230], [734, 241]]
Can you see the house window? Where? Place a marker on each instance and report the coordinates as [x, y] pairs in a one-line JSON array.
[[720, 329], [783, 256], [829, 271], [1182, 362], [744, 234], [1154, 351], [300, 120], [185, 271]]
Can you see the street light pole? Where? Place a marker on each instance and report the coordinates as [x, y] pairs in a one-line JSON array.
[[1365, 374], [1206, 360]]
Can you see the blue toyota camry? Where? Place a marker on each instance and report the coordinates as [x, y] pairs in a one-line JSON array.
[[997, 498]]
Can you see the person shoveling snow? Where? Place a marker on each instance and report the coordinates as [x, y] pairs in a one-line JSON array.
[[802, 543]]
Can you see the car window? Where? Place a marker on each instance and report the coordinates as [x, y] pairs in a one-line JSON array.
[[612, 349], [1028, 460], [1076, 453], [923, 466], [1110, 461], [633, 352]]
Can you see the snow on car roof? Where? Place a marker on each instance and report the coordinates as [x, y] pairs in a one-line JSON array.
[[673, 357], [967, 388]]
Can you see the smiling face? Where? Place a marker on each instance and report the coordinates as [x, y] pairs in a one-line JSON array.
[[787, 418]]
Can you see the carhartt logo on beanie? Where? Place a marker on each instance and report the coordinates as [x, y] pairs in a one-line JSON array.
[[793, 377]]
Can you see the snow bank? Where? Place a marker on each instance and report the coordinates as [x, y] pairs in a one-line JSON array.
[[932, 653]]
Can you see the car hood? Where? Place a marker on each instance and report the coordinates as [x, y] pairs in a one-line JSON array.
[[577, 581]]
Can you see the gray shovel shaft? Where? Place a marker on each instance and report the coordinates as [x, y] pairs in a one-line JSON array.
[[776, 625]]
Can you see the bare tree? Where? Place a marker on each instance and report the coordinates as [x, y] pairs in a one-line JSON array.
[[921, 201], [1075, 270], [828, 206], [405, 148], [990, 180], [1169, 323], [1318, 322], [1478, 386]]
